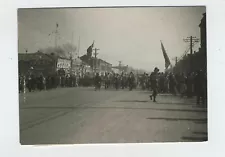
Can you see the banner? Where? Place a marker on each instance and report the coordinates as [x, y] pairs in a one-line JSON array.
[[167, 60]]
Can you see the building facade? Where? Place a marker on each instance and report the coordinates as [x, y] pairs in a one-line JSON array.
[[197, 60], [36, 63], [103, 66], [41, 63]]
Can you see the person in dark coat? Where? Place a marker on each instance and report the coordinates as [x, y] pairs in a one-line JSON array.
[[200, 87], [97, 81], [131, 80], [154, 84]]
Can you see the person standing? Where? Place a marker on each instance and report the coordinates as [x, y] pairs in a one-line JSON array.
[[200, 82], [97, 81], [154, 84], [131, 81], [182, 84]]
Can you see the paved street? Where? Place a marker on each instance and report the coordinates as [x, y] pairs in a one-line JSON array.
[[82, 115]]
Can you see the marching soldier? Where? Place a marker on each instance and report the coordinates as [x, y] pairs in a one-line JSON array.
[[154, 84], [200, 87], [131, 81], [97, 81]]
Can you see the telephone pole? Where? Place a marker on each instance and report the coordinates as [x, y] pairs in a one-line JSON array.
[[95, 59], [79, 47], [192, 40], [56, 35], [175, 59]]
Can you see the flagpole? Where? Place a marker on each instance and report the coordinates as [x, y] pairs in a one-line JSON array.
[[171, 66], [79, 47]]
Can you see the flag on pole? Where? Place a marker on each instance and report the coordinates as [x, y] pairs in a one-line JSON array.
[[167, 60], [89, 50]]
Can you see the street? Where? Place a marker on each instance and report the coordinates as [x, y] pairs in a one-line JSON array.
[[82, 115]]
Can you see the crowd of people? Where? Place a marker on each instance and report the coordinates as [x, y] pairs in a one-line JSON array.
[[40, 82], [191, 84]]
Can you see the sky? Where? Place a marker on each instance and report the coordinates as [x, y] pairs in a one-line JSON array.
[[131, 35]]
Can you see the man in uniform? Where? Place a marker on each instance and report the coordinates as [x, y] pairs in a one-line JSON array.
[[97, 81], [154, 84], [131, 81], [200, 87]]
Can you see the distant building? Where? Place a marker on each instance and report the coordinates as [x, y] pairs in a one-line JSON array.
[[103, 66], [199, 59], [202, 26], [41, 63], [36, 63], [100, 65], [122, 68]]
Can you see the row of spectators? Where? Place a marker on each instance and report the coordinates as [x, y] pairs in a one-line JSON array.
[[33, 83]]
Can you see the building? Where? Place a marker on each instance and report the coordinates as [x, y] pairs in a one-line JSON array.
[[198, 60], [202, 27], [100, 65], [36, 63], [42, 63], [103, 66]]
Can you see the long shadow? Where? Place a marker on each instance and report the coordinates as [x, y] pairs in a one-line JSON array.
[[41, 120], [125, 108], [200, 133], [178, 119], [130, 101], [203, 122], [161, 103], [175, 103], [195, 139]]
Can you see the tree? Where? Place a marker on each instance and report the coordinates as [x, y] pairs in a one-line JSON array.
[[66, 50]]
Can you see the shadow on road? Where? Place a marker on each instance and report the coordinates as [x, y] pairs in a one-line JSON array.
[[175, 103], [195, 139], [178, 119], [117, 107], [160, 103], [131, 101], [200, 133], [197, 136]]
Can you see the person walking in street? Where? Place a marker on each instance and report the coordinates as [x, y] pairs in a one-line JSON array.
[[97, 81], [154, 84], [183, 87], [200, 82], [131, 81]]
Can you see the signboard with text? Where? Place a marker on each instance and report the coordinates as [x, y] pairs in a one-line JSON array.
[[63, 64]]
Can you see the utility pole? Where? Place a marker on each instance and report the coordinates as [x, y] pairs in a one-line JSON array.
[[56, 35], [175, 59], [95, 59], [191, 40], [79, 47]]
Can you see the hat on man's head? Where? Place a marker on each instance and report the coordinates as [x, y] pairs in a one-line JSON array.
[[156, 69]]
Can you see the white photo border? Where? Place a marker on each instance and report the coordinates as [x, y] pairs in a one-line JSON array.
[[9, 113]]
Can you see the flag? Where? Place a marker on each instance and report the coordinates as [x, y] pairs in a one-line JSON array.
[[89, 50], [167, 60]]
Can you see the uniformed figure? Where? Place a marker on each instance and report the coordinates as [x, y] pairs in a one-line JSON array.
[[131, 81], [154, 84], [107, 80], [200, 87], [162, 83], [123, 80], [97, 81], [117, 79], [29, 83]]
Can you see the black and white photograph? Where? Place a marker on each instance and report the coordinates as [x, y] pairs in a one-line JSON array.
[[98, 75]]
